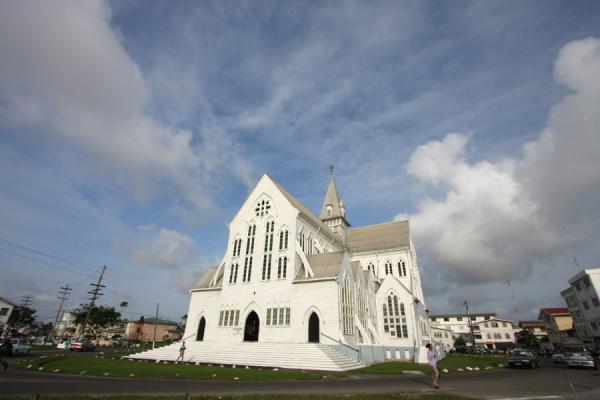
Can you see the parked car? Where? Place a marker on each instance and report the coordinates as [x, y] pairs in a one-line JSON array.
[[558, 357], [82, 345], [523, 358], [580, 360], [20, 346]]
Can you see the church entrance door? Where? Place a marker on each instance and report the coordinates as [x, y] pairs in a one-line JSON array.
[[251, 328], [201, 326], [313, 328]]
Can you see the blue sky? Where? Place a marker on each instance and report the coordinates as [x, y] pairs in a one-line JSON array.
[[131, 132]]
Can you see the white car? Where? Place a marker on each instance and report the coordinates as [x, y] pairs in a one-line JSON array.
[[580, 360], [20, 347]]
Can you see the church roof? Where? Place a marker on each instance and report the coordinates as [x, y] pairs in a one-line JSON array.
[[305, 211], [206, 278], [325, 265], [389, 235]]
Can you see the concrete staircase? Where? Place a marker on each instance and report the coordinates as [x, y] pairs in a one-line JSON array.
[[310, 356]]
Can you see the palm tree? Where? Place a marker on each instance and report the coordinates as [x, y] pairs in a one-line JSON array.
[[123, 306]]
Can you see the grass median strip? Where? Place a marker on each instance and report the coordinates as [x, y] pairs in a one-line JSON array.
[[135, 369]]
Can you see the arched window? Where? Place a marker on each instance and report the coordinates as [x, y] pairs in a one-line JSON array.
[[237, 247], [394, 318], [388, 267], [401, 268], [302, 240], [283, 240], [233, 273], [282, 268], [371, 267]]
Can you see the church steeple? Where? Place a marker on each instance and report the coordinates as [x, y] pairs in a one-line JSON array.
[[333, 212]]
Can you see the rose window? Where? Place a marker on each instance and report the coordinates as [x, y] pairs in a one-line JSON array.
[[262, 208]]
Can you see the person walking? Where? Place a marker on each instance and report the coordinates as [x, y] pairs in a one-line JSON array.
[[181, 352], [5, 352], [432, 360]]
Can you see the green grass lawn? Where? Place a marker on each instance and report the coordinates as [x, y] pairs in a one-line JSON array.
[[452, 363], [260, 397], [66, 364]]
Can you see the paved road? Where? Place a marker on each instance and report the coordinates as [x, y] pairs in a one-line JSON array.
[[548, 383]]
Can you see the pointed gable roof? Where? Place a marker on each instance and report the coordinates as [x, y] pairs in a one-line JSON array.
[[332, 198]]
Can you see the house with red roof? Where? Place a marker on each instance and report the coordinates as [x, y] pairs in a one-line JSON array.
[[558, 323]]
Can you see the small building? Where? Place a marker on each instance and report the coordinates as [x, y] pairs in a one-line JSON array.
[[149, 329], [460, 325], [443, 336], [558, 323], [66, 327], [536, 327], [495, 333], [583, 305], [6, 308]]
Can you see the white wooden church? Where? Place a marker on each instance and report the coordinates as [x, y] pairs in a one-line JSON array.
[[297, 290]]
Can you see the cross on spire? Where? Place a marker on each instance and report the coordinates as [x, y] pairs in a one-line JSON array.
[[331, 170]]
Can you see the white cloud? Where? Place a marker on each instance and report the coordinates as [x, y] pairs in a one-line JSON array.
[[502, 219], [66, 73], [162, 248]]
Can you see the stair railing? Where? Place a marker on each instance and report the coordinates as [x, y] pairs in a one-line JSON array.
[[340, 342]]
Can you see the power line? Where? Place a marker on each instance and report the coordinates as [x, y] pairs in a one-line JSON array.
[[59, 258], [41, 261]]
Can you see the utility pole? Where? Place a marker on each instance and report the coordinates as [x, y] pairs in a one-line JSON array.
[[63, 296], [155, 323], [466, 304], [25, 302], [95, 292]]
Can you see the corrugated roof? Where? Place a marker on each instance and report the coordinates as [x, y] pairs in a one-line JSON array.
[[206, 278], [389, 235], [324, 265]]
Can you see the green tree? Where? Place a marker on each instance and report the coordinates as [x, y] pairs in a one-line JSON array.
[[527, 339], [100, 317], [22, 316], [459, 342]]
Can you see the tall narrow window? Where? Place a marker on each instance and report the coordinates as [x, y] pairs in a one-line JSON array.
[[250, 242], [221, 318], [237, 247], [347, 308], [282, 268], [233, 273], [388, 267], [266, 271], [247, 269], [371, 267], [302, 241], [394, 317], [268, 316], [402, 268]]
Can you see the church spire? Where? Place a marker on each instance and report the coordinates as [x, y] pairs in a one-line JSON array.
[[333, 212]]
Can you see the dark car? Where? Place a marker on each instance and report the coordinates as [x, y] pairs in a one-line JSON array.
[[82, 345], [523, 358]]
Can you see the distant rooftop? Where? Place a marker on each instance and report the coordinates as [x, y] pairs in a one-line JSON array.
[[463, 315]]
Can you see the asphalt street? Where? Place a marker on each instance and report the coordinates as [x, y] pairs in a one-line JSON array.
[[550, 382]]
